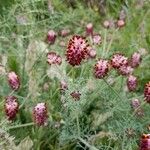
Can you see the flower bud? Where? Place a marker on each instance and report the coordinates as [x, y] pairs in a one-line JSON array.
[[11, 107], [89, 29], [51, 36], [40, 114], [13, 80], [65, 32], [147, 92], [63, 86], [101, 68], [132, 82]]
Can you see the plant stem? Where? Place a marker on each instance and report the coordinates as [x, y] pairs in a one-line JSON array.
[[113, 90], [78, 125], [20, 126], [91, 147]]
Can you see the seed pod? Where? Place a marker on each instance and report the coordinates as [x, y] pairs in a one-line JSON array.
[[101, 68], [40, 114], [13, 80], [147, 92], [11, 107], [51, 36], [77, 50], [132, 82]]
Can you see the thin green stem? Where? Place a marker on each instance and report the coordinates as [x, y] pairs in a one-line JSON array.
[[22, 125], [78, 124], [91, 147], [113, 90]]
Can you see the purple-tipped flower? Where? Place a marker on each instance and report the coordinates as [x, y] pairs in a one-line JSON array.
[[53, 58], [101, 68], [13, 80], [118, 60], [125, 70], [145, 142], [135, 60], [147, 92], [89, 29], [40, 114], [11, 107], [132, 82], [51, 36]]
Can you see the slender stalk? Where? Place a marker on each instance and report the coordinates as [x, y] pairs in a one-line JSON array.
[[20, 126], [113, 90], [91, 147], [78, 125]]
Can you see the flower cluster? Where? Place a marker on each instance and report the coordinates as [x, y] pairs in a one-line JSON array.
[[147, 92], [145, 142], [77, 50]]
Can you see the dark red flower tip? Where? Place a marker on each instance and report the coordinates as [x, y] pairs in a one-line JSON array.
[[51, 36], [101, 68], [118, 60], [145, 142], [147, 92], [132, 83], [40, 115], [53, 58], [77, 50], [135, 60], [11, 107], [13, 80], [76, 95]]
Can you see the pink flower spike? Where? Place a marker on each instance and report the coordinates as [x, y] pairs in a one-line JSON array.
[[40, 114], [13, 80], [101, 69], [132, 83], [11, 107], [135, 60]]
